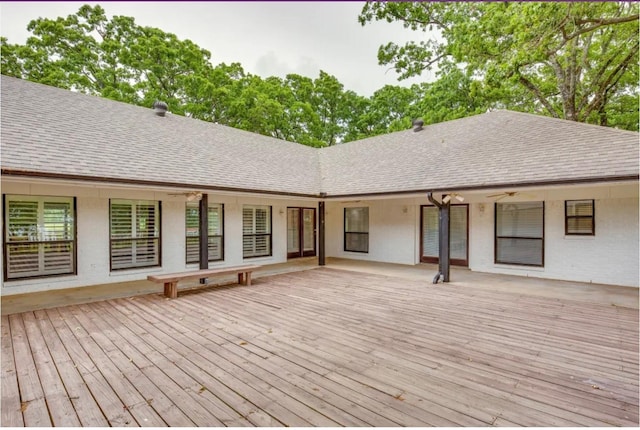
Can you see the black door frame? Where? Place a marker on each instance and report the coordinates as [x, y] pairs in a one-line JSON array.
[[435, 260], [302, 252]]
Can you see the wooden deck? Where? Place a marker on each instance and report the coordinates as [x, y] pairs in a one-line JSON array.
[[324, 347]]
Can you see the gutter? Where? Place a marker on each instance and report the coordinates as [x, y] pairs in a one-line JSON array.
[[319, 195], [107, 180], [489, 187]]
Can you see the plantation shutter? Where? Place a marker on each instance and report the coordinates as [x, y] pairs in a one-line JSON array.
[[215, 233], [135, 234], [40, 235], [58, 230], [256, 229]]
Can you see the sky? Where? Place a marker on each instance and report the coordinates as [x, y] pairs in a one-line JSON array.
[[266, 38]]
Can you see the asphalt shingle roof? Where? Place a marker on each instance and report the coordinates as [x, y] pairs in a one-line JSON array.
[[496, 148], [54, 132]]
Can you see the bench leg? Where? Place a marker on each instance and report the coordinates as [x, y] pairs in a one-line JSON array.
[[240, 278], [171, 289], [248, 280]]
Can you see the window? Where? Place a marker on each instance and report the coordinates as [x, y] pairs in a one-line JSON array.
[[356, 229], [40, 235], [135, 234], [216, 229], [256, 231], [579, 218], [520, 233]]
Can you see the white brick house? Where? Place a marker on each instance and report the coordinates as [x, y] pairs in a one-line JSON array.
[[96, 191]]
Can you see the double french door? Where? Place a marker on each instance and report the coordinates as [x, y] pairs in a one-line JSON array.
[[301, 232], [458, 235]]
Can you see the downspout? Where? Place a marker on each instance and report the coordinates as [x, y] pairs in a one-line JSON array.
[[444, 254]]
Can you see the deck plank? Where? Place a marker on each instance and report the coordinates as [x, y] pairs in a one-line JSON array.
[[33, 405], [327, 348], [10, 400], [77, 389], [61, 410]]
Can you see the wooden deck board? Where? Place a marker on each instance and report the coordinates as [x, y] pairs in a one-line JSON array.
[[33, 405], [327, 348], [10, 401]]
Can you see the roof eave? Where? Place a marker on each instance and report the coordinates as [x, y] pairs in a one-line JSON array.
[[135, 182], [489, 187]]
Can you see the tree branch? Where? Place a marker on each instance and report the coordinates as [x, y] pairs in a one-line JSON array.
[[611, 81], [536, 91], [600, 23]]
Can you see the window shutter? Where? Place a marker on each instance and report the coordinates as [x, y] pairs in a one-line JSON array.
[[135, 234], [256, 228], [22, 223], [40, 234], [247, 220], [215, 232], [121, 220]]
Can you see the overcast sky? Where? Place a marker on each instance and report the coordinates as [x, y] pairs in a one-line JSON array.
[[267, 38]]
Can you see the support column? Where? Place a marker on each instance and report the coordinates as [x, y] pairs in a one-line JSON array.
[[204, 233], [444, 255], [321, 231]]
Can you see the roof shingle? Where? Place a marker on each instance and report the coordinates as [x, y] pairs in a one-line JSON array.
[[51, 131]]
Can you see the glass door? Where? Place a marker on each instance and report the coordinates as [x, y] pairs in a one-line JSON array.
[[459, 235], [301, 232]]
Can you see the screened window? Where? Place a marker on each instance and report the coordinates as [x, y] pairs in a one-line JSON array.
[[579, 217], [135, 234], [356, 229], [256, 231], [215, 233], [520, 233], [39, 236]]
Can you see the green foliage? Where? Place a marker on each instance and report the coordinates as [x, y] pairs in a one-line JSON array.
[[120, 60], [574, 60]]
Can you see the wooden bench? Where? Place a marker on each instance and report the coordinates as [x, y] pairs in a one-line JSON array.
[[171, 280]]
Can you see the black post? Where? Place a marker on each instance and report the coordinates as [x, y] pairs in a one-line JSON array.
[[443, 242], [321, 233], [204, 233], [445, 229]]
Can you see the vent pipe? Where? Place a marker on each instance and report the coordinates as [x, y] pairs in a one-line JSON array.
[[160, 108]]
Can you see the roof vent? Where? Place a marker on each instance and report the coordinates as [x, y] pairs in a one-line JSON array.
[[160, 108], [417, 124]]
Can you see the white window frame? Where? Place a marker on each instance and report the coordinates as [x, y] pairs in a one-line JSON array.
[[136, 237], [43, 240], [251, 235]]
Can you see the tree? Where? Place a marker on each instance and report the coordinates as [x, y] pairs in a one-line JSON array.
[[574, 60], [113, 58]]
